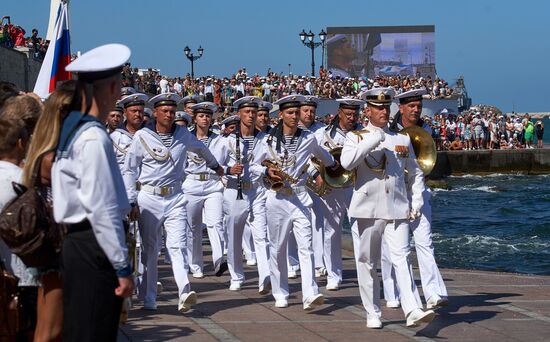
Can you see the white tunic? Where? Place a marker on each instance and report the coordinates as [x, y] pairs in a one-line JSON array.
[[196, 165], [87, 185], [121, 142], [150, 162], [382, 194]]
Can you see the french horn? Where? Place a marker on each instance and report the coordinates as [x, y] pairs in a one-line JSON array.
[[423, 146]]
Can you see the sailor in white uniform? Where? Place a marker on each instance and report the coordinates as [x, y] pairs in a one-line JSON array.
[[433, 286], [385, 161], [204, 193], [89, 197], [335, 203], [153, 171], [250, 209], [307, 121], [289, 149], [133, 106]]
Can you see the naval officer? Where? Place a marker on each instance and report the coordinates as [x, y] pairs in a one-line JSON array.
[[334, 205], [153, 171], [385, 164], [204, 192], [289, 149], [88, 197], [250, 210], [433, 287]]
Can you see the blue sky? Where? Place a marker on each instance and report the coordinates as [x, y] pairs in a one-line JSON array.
[[500, 47]]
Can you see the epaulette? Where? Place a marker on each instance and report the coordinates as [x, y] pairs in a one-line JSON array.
[[358, 132]]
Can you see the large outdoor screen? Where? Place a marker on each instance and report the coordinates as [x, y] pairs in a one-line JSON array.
[[381, 51]]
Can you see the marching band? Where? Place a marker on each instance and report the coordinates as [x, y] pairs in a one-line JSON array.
[[279, 194]]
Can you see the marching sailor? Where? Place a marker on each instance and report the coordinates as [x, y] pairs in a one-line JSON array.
[[335, 203], [153, 171], [288, 149], [307, 121], [133, 106], [435, 292], [89, 197], [244, 199], [114, 119], [385, 161], [262, 120], [204, 193]]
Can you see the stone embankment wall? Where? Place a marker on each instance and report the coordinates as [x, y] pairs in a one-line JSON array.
[[528, 161], [18, 68]]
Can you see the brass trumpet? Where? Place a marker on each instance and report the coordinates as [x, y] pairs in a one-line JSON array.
[[423, 146], [277, 185]]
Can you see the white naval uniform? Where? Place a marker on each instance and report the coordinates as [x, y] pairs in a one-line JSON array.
[[204, 194], [316, 224], [159, 171], [122, 139], [77, 196], [430, 277], [248, 211], [334, 206], [380, 203], [290, 208]]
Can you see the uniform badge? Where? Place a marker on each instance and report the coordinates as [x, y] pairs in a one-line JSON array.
[[402, 151]]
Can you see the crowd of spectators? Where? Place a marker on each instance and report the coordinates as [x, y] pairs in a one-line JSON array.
[[223, 91], [13, 36], [475, 130]]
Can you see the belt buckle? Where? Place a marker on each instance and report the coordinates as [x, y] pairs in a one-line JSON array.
[[202, 177], [164, 190]]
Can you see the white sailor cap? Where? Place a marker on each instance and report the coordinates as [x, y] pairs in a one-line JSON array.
[[266, 106], [190, 99], [205, 107], [411, 95], [310, 100], [290, 101], [183, 116], [230, 120], [349, 103], [247, 101], [99, 63], [125, 91], [165, 99], [137, 99], [378, 96]]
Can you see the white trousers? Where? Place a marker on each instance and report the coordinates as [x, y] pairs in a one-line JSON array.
[[285, 213], [335, 207], [251, 211], [430, 277], [248, 243], [293, 260], [367, 239], [154, 212], [208, 209]]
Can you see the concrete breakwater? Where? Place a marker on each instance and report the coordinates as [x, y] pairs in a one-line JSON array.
[[527, 161]]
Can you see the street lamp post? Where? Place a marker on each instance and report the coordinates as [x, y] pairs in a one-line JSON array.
[[310, 43], [190, 56]]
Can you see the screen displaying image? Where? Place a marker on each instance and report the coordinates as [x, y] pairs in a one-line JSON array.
[[381, 51]]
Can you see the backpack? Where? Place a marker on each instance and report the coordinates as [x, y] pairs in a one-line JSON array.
[[27, 225], [10, 313]]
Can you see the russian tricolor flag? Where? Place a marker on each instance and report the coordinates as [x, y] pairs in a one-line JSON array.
[[57, 57]]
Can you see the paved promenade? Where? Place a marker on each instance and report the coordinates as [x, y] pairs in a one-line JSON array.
[[484, 306]]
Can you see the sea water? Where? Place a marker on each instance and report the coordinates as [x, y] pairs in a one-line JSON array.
[[496, 222]]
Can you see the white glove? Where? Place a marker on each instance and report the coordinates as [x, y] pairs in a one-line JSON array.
[[414, 214], [381, 135]]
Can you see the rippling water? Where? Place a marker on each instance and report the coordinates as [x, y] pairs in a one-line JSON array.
[[496, 222]]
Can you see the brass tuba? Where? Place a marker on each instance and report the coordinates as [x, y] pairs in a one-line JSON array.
[[334, 179], [424, 147]]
